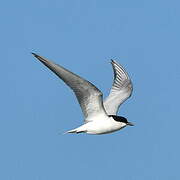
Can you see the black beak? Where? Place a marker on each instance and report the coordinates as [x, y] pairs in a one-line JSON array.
[[130, 124]]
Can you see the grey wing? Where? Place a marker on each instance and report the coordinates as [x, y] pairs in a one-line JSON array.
[[89, 96], [120, 91]]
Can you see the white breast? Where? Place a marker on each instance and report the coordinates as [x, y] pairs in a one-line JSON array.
[[103, 126]]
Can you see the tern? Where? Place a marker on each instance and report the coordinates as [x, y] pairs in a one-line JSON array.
[[100, 117]]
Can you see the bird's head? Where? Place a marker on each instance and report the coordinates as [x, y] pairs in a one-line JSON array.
[[122, 119]]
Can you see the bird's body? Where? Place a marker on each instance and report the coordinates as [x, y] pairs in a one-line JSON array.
[[100, 116], [99, 125]]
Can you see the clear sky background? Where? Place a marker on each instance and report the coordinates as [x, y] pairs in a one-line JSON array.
[[83, 35]]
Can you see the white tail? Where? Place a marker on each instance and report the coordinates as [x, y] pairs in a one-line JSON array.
[[75, 131], [71, 131]]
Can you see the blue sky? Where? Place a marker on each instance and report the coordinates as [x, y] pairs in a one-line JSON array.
[[83, 36]]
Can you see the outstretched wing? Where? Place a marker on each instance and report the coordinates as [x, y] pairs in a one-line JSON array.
[[120, 91], [89, 96]]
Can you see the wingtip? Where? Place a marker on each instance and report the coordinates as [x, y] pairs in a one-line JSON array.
[[34, 54], [43, 60], [113, 61]]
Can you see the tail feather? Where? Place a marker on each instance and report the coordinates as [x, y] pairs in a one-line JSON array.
[[75, 131], [72, 131]]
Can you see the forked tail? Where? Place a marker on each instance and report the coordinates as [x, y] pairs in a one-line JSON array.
[[75, 131]]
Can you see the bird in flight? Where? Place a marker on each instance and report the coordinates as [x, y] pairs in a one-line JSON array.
[[100, 117]]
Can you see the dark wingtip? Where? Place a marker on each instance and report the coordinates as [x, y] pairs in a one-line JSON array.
[[35, 55], [39, 57], [113, 61]]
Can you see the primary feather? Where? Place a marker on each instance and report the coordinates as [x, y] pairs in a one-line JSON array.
[[120, 91]]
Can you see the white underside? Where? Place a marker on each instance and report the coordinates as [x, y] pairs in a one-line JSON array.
[[99, 126]]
